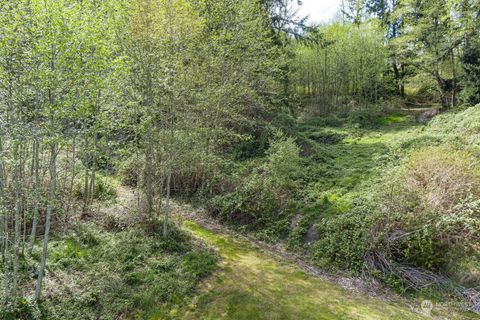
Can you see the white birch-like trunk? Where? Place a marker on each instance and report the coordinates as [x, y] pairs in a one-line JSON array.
[[51, 196]]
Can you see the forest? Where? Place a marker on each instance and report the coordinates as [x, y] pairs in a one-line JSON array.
[[229, 159]]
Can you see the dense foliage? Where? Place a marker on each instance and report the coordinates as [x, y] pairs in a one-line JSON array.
[[319, 137], [342, 66]]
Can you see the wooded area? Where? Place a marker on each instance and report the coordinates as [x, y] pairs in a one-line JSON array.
[[319, 138]]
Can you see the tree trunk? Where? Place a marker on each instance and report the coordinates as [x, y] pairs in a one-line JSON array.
[[94, 167], [454, 80], [3, 227], [442, 89], [72, 178], [17, 223], [5, 259], [85, 189], [51, 197], [398, 74], [23, 206], [167, 205], [149, 173], [36, 195]]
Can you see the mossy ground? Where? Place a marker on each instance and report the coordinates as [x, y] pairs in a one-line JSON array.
[[254, 284]]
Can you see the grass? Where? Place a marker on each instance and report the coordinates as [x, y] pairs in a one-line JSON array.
[[342, 168], [254, 284], [98, 273]]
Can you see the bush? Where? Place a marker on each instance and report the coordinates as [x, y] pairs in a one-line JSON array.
[[344, 240], [459, 128], [20, 309], [105, 188], [438, 178], [431, 220], [130, 170], [136, 273], [266, 192], [421, 222]]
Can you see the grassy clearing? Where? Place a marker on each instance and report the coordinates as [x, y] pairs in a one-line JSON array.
[[253, 284], [360, 154]]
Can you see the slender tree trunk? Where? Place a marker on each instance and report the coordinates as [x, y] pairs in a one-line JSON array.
[[17, 222], [51, 197], [3, 226], [442, 89], [454, 80], [94, 168], [36, 196], [23, 202], [5, 259], [148, 172], [72, 178], [160, 194], [398, 74], [85, 189], [167, 205]]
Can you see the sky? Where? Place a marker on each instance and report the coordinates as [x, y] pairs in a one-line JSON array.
[[320, 10]]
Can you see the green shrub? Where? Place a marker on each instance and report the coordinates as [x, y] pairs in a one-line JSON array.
[[131, 169], [105, 188], [135, 273], [264, 195], [307, 217], [327, 136], [69, 253], [285, 122], [422, 219], [344, 240], [431, 219], [21, 309]]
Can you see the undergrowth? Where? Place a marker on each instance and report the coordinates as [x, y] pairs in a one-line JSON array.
[[371, 195], [135, 273]]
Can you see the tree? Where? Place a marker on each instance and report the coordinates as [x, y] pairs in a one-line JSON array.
[[427, 45], [284, 16], [162, 33], [392, 20], [54, 61], [467, 26], [341, 66]]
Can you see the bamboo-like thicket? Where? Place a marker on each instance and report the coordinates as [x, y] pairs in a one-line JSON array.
[[340, 66]]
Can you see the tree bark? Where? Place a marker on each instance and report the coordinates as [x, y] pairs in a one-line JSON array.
[[3, 226], [167, 205], [454, 80], [51, 198], [85, 189], [36, 195], [72, 177], [94, 168], [148, 172], [17, 223]]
